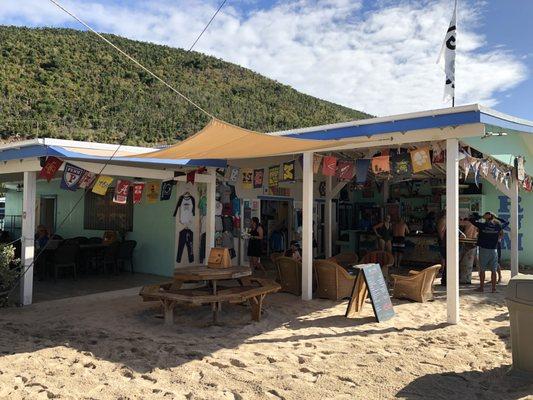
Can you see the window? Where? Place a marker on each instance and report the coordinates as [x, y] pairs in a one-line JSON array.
[[102, 214]]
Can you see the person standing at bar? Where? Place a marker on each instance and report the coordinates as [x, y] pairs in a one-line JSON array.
[[487, 241], [383, 231], [399, 230]]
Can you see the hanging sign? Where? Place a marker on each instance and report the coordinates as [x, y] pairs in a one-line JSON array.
[[380, 164], [166, 190], [273, 176], [317, 162], [401, 165], [121, 191], [420, 159], [247, 178], [345, 170], [138, 188], [87, 180], [152, 192], [51, 166], [288, 172], [101, 184], [329, 166], [259, 175], [361, 170], [71, 177]]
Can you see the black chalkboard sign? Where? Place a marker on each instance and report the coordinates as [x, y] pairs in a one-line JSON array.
[[371, 282]]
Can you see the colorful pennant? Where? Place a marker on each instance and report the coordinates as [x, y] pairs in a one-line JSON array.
[[288, 172], [259, 175], [317, 162], [138, 188], [420, 159], [361, 170], [87, 180], [71, 177], [121, 191], [51, 166], [101, 184], [401, 165], [329, 166], [166, 190], [381, 164], [345, 170], [247, 178], [152, 192], [273, 176]]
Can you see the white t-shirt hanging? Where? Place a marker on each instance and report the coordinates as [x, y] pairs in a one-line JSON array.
[[186, 206]]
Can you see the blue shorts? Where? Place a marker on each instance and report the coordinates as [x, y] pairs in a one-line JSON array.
[[488, 259]]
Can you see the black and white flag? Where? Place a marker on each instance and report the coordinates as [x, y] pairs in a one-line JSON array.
[[448, 50]]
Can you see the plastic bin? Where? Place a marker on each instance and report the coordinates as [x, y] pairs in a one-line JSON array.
[[519, 296]]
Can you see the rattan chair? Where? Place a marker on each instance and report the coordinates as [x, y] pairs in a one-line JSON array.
[[345, 259], [418, 286], [290, 275], [334, 282], [383, 258]]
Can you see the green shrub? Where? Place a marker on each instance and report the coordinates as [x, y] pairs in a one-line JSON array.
[[8, 271]]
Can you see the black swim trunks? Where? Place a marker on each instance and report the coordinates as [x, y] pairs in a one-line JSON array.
[[398, 244]]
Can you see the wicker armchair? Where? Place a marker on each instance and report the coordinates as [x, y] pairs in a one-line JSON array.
[[418, 286], [290, 275], [383, 258], [345, 259], [334, 282]]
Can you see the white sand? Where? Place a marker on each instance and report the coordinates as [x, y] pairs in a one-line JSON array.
[[112, 347]]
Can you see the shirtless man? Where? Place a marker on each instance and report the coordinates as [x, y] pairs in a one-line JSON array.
[[399, 230]]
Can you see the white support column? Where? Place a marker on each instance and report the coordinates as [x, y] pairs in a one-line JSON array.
[[28, 238], [514, 226], [210, 217], [452, 230], [307, 227], [328, 210]]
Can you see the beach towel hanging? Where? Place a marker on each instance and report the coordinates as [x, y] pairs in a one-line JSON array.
[[138, 188], [381, 164], [361, 170], [166, 190], [87, 180], [329, 166], [121, 191], [259, 175], [345, 170], [421, 160], [71, 177], [288, 172], [247, 178], [101, 184], [152, 192], [273, 176], [317, 162], [51, 166]]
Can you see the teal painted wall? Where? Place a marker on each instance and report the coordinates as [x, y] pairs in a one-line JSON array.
[[153, 226]]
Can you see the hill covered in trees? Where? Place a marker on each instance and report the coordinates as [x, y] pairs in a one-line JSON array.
[[68, 84]]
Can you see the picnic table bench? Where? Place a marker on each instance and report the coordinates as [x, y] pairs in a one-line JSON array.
[[170, 294]]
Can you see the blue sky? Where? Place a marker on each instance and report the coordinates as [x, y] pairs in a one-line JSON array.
[[375, 56]]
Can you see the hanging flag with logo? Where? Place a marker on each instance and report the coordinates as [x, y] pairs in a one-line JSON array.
[[51, 166], [273, 176], [166, 190], [71, 177], [138, 188], [448, 51], [232, 174], [152, 192], [317, 162], [87, 180], [288, 172], [420, 159], [247, 178], [329, 165], [101, 184], [190, 177], [345, 170], [259, 175], [401, 165], [439, 154], [381, 164], [121, 191], [361, 170]]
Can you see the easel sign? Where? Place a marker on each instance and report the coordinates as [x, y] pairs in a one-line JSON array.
[[370, 281]]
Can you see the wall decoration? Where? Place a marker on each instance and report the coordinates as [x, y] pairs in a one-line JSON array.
[[288, 172], [273, 176], [121, 191], [51, 166], [138, 188], [247, 178], [361, 170], [317, 162], [101, 184], [259, 175], [420, 158], [381, 164], [329, 166], [166, 190], [71, 177]]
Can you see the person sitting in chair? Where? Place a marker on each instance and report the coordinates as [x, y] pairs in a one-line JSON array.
[[294, 251]]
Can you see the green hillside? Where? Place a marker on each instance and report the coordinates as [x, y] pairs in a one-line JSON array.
[[68, 84]]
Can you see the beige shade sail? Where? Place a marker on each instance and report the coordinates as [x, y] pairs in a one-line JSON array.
[[220, 140]]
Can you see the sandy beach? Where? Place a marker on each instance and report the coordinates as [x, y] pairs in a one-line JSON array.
[[112, 346]]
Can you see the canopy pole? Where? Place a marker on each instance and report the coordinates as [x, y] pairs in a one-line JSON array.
[[210, 220], [28, 238], [328, 210], [452, 230], [307, 226], [514, 226]]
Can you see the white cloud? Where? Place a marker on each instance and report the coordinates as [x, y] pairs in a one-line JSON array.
[[382, 61]]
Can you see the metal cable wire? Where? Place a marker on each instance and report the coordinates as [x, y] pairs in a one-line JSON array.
[[209, 23]]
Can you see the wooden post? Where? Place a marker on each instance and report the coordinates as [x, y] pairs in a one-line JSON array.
[[210, 217], [452, 230], [28, 237], [328, 210], [514, 226], [307, 227]]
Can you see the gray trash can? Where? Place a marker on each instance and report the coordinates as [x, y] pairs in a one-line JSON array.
[[519, 296]]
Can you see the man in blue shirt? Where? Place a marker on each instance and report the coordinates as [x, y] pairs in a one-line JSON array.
[[487, 241]]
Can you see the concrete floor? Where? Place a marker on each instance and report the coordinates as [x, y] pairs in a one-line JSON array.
[[89, 284]]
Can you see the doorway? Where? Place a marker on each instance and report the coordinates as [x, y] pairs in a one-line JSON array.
[[276, 216], [48, 212]]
